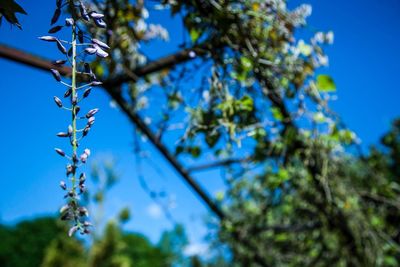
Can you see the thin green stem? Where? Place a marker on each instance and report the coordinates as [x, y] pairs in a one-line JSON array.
[[74, 144]]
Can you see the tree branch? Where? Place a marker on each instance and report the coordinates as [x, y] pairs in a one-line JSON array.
[[216, 164], [32, 61], [126, 108], [157, 65]]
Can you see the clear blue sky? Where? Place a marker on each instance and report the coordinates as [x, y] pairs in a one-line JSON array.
[[364, 61]]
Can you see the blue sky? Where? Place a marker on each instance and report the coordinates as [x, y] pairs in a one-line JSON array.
[[364, 61]]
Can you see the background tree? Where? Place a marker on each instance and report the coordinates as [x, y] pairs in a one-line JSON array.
[[260, 111], [25, 243]]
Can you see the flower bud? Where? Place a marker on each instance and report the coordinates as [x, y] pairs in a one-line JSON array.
[[74, 99], [96, 15], [77, 109], [86, 131], [48, 38], [59, 62], [92, 112], [70, 130], [68, 93], [87, 92], [56, 74], [66, 216], [100, 44], [58, 102], [96, 83], [71, 194], [83, 211], [56, 16], [74, 158], [91, 121], [55, 29], [100, 52], [70, 169], [69, 22], [100, 23], [64, 208], [90, 50], [72, 230], [82, 178], [63, 185], [61, 47], [63, 134], [60, 152], [87, 151], [70, 52], [83, 11], [84, 158], [82, 188], [87, 224]]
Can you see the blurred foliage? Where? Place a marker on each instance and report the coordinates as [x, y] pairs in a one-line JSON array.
[[23, 244], [172, 244], [42, 242], [252, 94], [66, 252], [349, 215]]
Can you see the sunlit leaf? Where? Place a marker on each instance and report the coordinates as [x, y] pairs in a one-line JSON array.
[[276, 113], [325, 83], [194, 35]]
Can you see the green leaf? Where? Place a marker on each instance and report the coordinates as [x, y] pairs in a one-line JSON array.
[[212, 138], [276, 113], [283, 174], [246, 103], [8, 9], [241, 77], [178, 150], [194, 34], [246, 63], [195, 151], [325, 83], [220, 196], [390, 261], [347, 136], [124, 215]]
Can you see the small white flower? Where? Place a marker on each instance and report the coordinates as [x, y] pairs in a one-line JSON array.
[[206, 96], [141, 26], [319, 37], [87, 151], [145, 13], [192, 54], [323, 60], [83, 158], [329, 37]]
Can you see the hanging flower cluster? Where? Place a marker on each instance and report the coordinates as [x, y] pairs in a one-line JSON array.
[[83, 79]]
